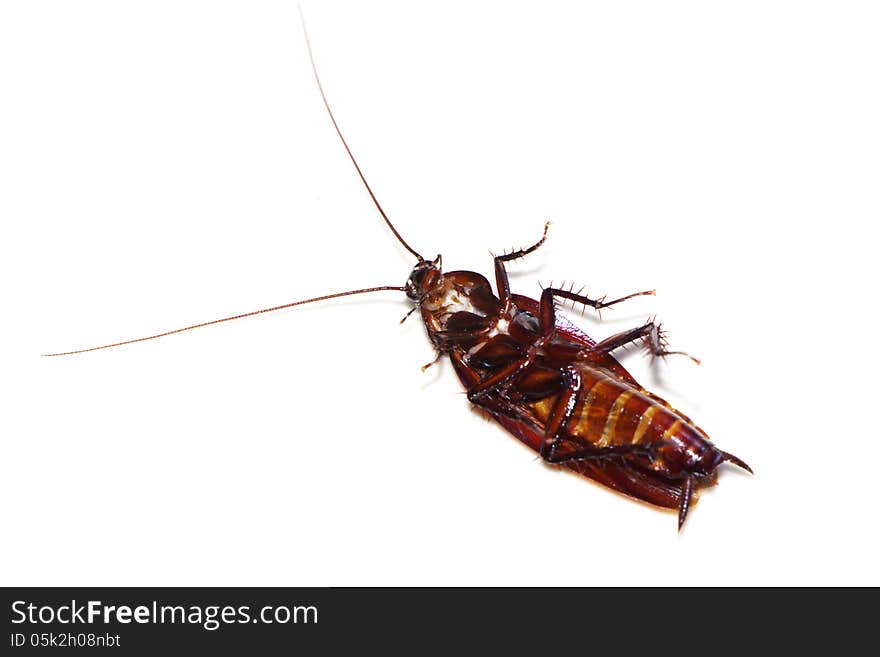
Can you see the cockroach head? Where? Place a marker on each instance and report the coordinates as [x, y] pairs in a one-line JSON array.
[[423, 278]]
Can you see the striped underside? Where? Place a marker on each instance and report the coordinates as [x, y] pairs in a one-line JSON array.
[[610, 411]]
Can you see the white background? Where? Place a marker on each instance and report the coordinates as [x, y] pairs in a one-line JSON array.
[[165, 163]]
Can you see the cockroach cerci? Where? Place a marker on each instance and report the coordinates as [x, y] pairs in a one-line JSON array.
[[549, 384]]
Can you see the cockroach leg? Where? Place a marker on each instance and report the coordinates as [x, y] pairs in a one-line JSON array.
[[593, 453], [497, 404], [519, 253], [598, 304], [406, 317], [650, 333], [433, 362], [684, 504], [501, 279], [505, 375], [562, 411]]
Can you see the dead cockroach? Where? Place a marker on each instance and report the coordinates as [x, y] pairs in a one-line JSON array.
[[544, 380]]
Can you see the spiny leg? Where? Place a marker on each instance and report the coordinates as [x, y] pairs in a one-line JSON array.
[[519, 253], [598, 304], [501, 279], [561, 413], [653, 339], [684, 504]]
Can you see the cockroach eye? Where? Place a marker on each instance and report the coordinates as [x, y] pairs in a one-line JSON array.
[[416, 282]]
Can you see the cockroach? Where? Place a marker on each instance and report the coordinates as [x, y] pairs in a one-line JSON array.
[[543, 379]]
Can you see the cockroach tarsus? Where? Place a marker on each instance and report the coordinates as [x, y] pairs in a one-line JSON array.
[[543, 379]]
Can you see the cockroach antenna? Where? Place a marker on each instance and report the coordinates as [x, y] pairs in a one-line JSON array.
[[357, 167], [229, 319]]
